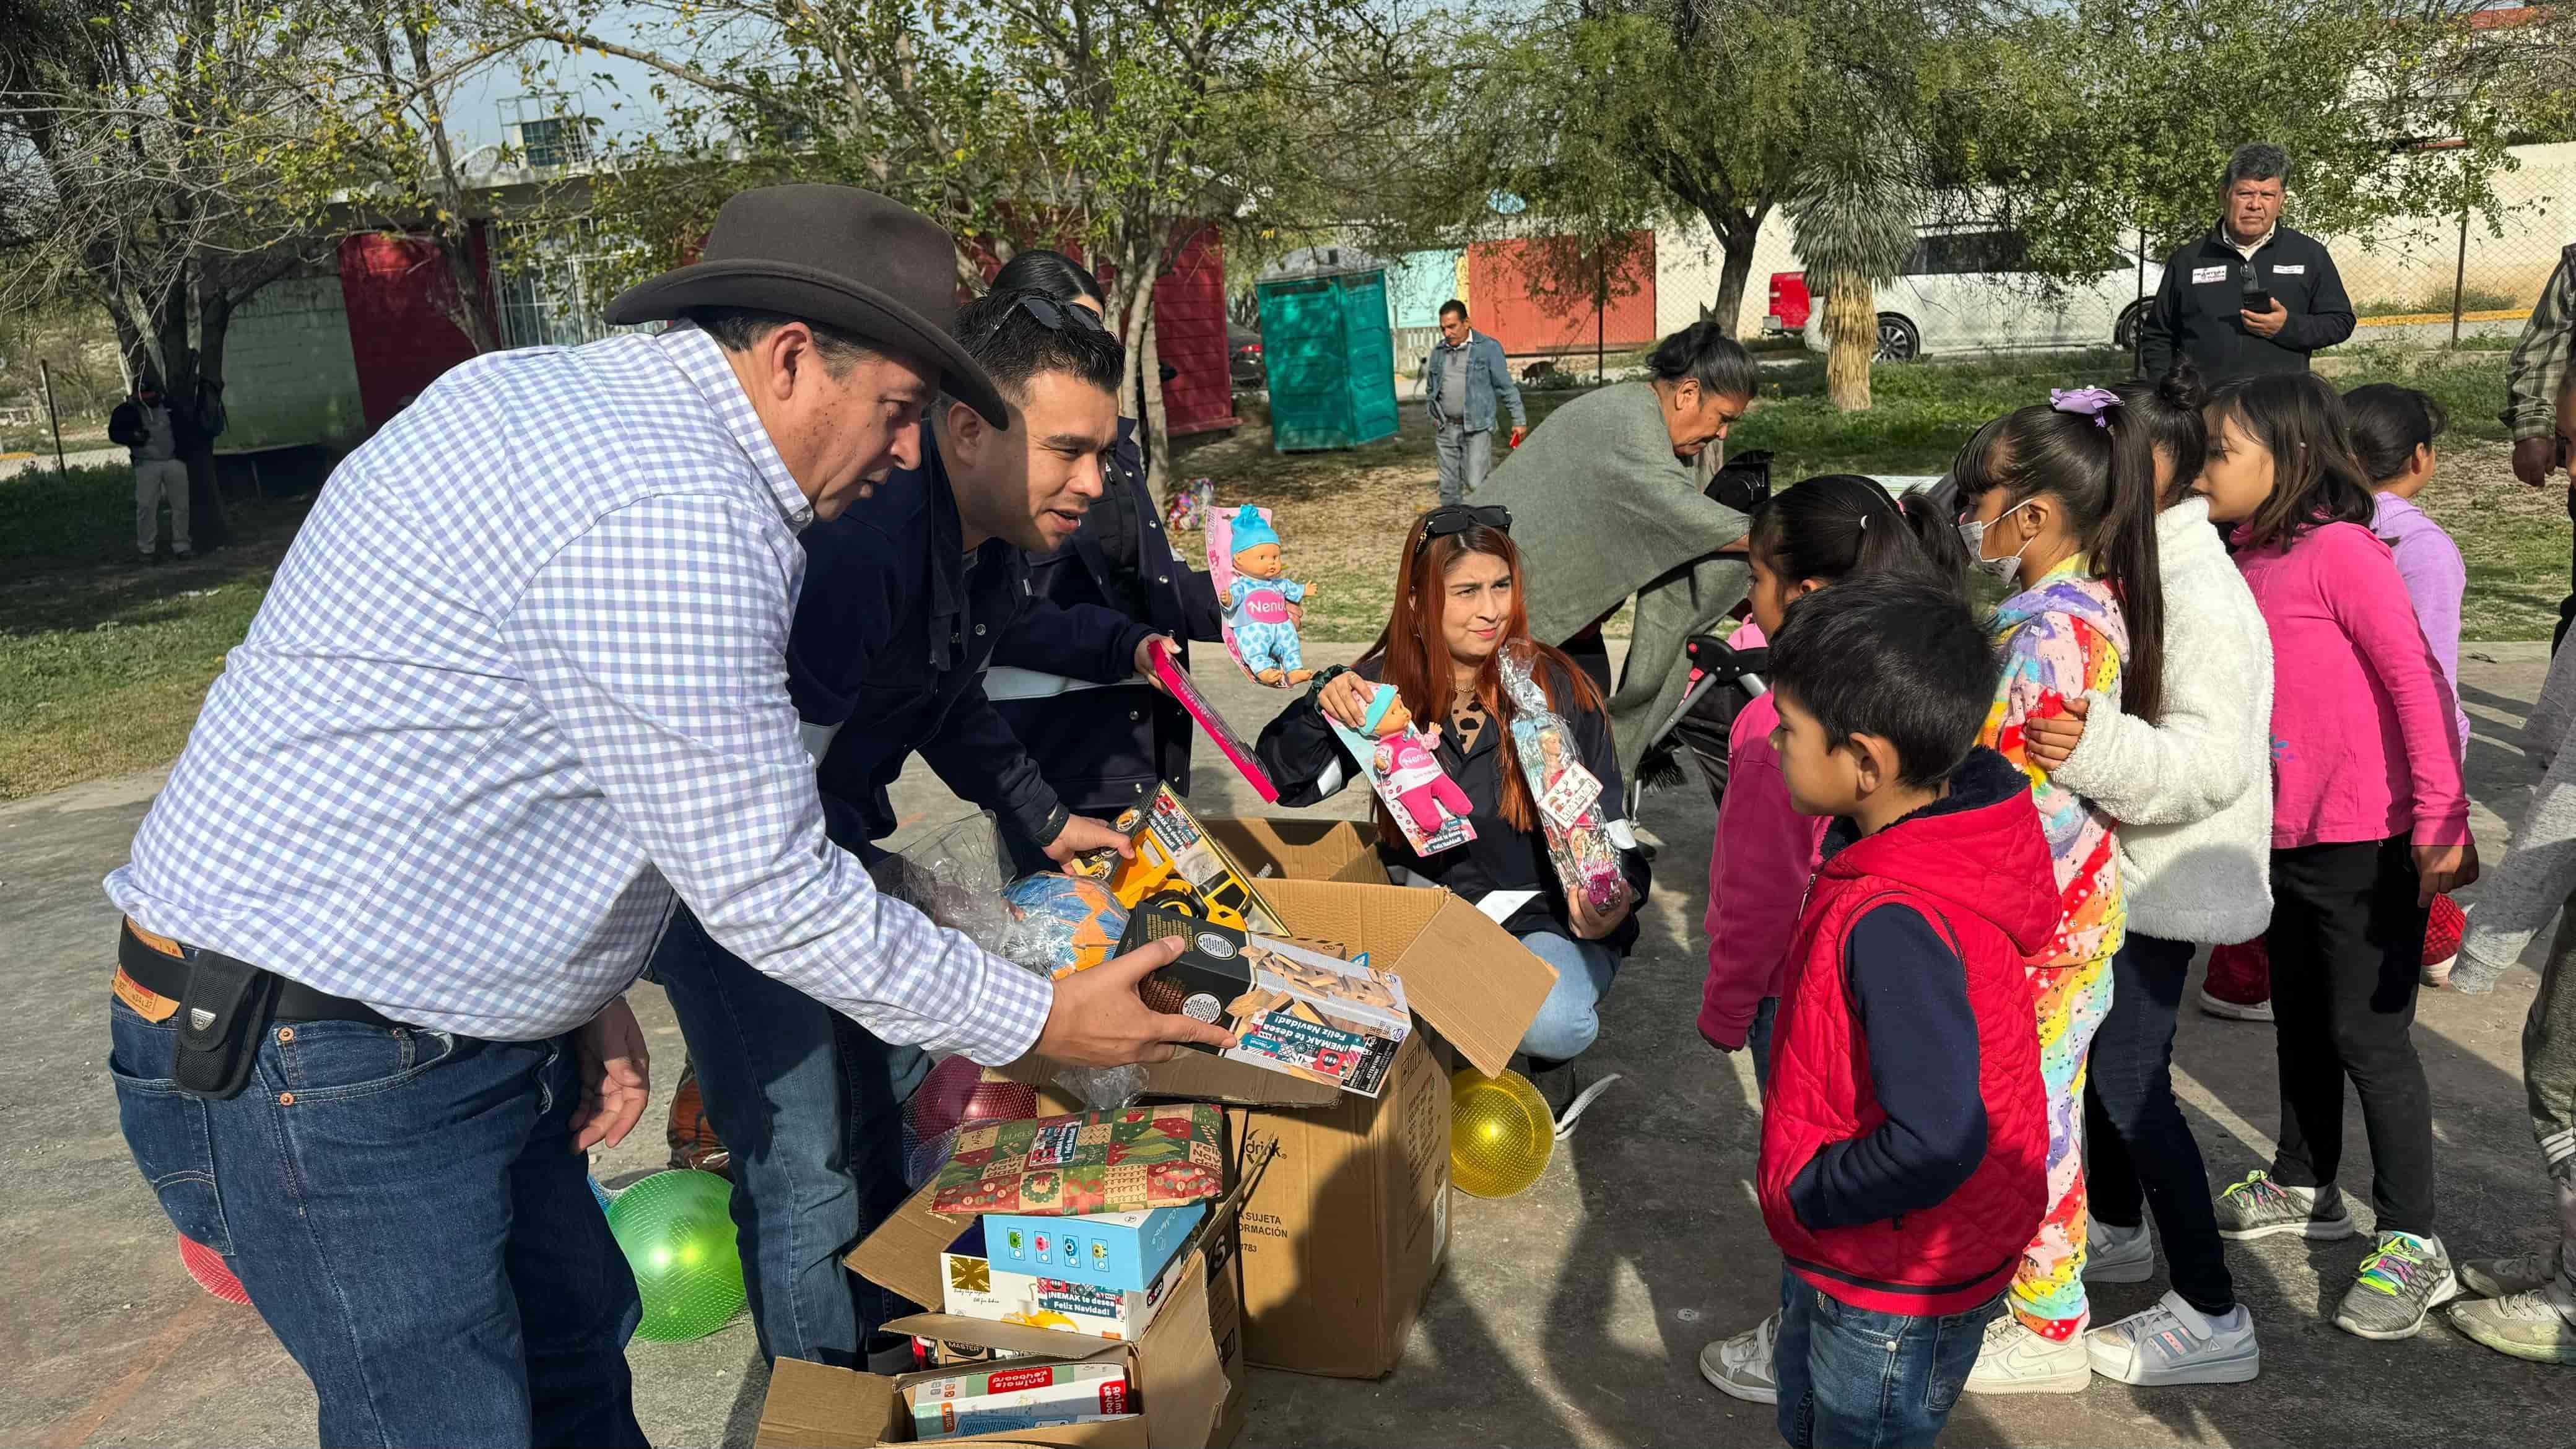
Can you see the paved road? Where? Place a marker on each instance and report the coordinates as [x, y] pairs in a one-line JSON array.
[[1568, 1315]]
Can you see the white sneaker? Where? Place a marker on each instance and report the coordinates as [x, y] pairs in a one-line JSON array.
[[2117, 1255], [2236, 1010], [2504, 1277], [2018, 1361], [2175, 1343], [1740, 1367]]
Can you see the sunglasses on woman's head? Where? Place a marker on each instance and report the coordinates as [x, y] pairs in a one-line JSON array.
[[1452, 518]]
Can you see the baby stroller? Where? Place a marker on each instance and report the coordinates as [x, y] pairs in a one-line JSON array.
[[1722, 679]]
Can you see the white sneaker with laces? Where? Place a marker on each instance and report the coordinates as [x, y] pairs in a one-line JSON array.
[[2015, 1360], [2504, 1277], [2172, 1342], [1740, 1367], [2117, 1255]]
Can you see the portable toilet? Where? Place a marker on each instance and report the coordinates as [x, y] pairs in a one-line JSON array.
[[1329, 345]]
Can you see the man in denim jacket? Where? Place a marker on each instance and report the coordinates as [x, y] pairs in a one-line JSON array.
[[1463, 375]]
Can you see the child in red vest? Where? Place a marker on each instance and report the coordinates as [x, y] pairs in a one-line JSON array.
[[1904, 1134]]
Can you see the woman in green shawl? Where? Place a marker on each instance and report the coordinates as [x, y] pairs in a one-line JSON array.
[[1606, 504]]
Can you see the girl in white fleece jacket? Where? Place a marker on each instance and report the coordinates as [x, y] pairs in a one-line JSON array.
[[2193, 797]]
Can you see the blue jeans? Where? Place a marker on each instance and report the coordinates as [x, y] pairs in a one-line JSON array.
[[406, 1210], [1570, 1019], [1851, 1378], [806, 1102], [1758, 1038]]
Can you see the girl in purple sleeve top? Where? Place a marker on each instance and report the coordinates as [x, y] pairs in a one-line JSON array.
[[2393, 429], [2370, 821]]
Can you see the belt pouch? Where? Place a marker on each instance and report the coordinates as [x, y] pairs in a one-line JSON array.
[[221, 1020]]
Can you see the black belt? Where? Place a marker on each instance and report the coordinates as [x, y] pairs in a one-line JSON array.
[[163, 974]]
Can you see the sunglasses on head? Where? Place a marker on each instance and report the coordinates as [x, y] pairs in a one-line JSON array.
[[1048, 313], [1452, 518]]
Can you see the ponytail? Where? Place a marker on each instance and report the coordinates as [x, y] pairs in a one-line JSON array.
[[1836, 525], [2096, 459]]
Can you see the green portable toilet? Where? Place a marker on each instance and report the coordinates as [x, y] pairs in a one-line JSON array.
[[1330, 349]]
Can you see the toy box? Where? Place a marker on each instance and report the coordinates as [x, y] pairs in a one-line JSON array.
[[1121, 1251], [1292, 1009], [1177, 681], [1176, 858], [1124, 1160], [1016, 1397], [974, 1285]]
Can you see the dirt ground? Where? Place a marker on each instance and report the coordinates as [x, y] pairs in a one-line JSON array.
[[1568, 1315]]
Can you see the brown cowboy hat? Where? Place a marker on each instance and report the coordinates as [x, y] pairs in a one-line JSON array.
[[849, 259]]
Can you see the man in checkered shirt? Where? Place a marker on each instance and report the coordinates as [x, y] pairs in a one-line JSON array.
[[523, 679]]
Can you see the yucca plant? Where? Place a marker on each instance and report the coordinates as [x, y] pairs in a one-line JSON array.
[[1854, 212]]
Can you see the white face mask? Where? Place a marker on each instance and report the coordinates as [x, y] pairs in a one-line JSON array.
[[1973, 534]]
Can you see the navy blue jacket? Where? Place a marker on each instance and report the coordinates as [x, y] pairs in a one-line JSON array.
[[1103, 749], [2196, 310], [893, 629]]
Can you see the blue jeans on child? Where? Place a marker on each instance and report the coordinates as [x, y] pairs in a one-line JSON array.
[[808, 1103], [1852, 1378], [1570, 1019], [407, 1213]]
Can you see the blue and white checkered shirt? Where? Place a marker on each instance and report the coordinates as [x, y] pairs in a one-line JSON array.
[[522, 675]]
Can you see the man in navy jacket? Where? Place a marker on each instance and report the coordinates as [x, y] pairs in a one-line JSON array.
[[904, 596], [2250, 296]]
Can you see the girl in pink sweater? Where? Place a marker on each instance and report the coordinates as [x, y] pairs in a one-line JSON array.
[[2370, 821], [1805, 538]]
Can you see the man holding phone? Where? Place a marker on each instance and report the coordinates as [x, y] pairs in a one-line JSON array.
[[2251, 296]]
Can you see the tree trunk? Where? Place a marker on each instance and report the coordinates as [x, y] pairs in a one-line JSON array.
[[1157, 420], [207, 525], [1736, 233], [1851, 330]]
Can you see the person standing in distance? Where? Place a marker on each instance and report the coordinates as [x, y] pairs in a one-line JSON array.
[[2250, 296], [1464, 376]]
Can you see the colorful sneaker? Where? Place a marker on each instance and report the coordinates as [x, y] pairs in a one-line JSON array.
[[1740, 1367], [2174, 1343], [2015, 1360], [2525, 1325], [2504, 1277], [2258, 1207], [2117, 1255], [2442, 932], [2402, 1281]]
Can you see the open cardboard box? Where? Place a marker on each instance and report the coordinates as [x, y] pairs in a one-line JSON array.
[[1345, 1225], [1187, 1370]]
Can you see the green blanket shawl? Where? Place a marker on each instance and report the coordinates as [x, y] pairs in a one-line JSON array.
[[1602, 510]]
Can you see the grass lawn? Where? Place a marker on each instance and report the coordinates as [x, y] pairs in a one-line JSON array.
[[103, 662]]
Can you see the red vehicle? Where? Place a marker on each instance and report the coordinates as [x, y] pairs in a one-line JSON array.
[[1790, 304]]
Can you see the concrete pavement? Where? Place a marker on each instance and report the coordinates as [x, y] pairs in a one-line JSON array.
[[1571, 1314]]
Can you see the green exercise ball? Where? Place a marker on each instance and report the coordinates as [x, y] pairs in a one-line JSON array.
[[679, 1238]]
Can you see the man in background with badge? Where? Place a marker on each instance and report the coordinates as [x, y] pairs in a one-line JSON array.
[[2251, 296]]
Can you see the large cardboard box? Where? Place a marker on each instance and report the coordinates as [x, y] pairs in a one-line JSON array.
[[1188, 1369], [1346, 1201]]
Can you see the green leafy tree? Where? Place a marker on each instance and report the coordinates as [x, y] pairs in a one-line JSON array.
[[1116, 129], [130, 131]]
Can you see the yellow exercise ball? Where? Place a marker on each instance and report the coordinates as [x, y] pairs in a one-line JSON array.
[[1500, 1133]]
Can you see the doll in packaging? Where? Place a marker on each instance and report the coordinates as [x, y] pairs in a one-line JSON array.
[[1257, 603], [1568, 795], [1428, 806]]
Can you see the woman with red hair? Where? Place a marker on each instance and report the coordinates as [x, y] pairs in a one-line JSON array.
[[1458, 607]]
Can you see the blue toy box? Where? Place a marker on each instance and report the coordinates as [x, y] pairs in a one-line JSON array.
[[1121, 1252]]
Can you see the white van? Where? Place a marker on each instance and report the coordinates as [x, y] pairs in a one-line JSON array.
[[1965, 289]]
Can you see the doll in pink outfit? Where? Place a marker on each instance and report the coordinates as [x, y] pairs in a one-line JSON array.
[[1403, 760]]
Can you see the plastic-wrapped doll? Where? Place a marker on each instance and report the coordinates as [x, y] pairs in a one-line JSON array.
[[1265, 635], [1408, 775], [1569, 798]]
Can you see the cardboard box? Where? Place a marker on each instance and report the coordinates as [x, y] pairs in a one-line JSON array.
[[1188, 1369], [1345, 1225], [1122, 1251], [1030, 1395]]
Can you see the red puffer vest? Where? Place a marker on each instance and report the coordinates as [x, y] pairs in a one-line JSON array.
[[1976, 866]]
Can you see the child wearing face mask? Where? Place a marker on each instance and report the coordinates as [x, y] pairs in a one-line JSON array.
[[1804, 539], [2370, 822], [2060, 502]]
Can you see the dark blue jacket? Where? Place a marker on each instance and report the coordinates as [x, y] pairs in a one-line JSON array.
[[1103, 749], [893, 629], [2198, 307]]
